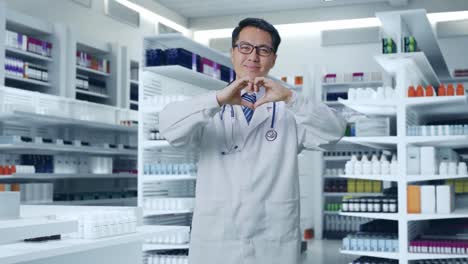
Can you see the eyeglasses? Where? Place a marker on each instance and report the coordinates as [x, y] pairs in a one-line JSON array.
[[247, 48]]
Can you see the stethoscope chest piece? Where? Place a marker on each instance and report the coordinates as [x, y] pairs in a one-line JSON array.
[[271, 135]]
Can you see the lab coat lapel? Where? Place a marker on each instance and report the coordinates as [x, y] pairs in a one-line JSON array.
[[259, 116]]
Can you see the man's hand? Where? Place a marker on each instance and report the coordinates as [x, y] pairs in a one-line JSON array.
[[232, 93], [274, 92]]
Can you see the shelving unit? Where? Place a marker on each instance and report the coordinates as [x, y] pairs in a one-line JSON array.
[[425, 67], [134, 84]]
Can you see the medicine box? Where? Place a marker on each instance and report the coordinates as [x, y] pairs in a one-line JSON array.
[[445, 198], [429, 163], [373, 127], [428, 199], [413, 161], [10, 205]]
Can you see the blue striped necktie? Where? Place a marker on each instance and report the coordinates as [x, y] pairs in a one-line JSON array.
[[248, 112]]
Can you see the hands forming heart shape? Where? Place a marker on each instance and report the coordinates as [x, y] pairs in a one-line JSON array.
[[274, 92]]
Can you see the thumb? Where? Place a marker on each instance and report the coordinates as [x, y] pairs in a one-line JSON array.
[[260, 102]]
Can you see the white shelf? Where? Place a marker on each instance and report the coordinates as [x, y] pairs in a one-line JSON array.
[[385, 216], [333, 103], [25, 252], [337, 158], [371, 107], [340, 194], [371, 177], [133, 102], [458, 213], [375, 142], [354, 84], [331, 213], [440, 107], [150, 247], [99, 95], [65, 148], [149, 213], [388, 255], [30, 81], [189, 76], [175, 40], [157, 144], [40, 120], [135, 82], [439, 141], [26, 54], [393, 62], [14, 230], [416, 178], [132, 201], [55, 176], [84, 69], [422, 256], [162, 178]]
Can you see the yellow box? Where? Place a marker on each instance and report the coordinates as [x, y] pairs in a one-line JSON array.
[[377, 186], [351, 185], [368, 186], [359, 186], [458, 187]]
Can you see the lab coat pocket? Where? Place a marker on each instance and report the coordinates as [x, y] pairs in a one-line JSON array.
[[208, 221], [283, 219]]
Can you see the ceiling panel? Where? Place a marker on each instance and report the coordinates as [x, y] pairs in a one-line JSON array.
[[209, 8]]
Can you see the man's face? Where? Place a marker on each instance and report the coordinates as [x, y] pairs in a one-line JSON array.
[[252, 65]]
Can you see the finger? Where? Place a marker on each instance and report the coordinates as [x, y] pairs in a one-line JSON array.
[[260, 102], [259, 82], [241, 83], [247, 104]]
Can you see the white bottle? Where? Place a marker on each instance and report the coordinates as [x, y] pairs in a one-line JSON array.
[[357, 167], [384, 166], [394, 166], [452, 168], [375, 165], [443, 168], [366, 165], [349, 167], [462, 169]]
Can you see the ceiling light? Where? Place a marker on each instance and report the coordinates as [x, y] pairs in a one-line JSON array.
[[153, 16]]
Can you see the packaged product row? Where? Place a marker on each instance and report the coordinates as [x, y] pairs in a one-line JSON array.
[[352, 186]]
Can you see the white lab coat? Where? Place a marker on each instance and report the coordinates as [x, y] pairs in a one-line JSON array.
[[247, 201]]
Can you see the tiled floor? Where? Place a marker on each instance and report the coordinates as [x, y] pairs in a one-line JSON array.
[[325, 252]]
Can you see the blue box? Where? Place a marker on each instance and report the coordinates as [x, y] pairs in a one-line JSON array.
[[179, 56], [155, 57]]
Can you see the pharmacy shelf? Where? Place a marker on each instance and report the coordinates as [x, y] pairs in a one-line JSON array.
[[26, 252], [40, 120], [333, 103], [157, 144], [337, 158], [84, 69], [388, 255], [131, 201], [372, 107], [353, 84], [371, 177], [457, 213], [26, 55], [134, 82], [175, 40], [331, 212], [417, 24], [98, 95], [29, 81], [164, 178], [133, 102], [340, 194], [417, 178], [150, 213], [423, 256], [392, 63], [440, 107], [189, 76], [330, 177], [152, 247], [385, 216], [63, 176], [455, 142], [19, 229], [374, 142], [50, 148]]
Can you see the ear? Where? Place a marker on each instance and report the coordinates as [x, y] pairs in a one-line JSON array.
[[232, 56]]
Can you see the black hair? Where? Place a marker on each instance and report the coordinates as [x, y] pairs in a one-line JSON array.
[[261, 24]]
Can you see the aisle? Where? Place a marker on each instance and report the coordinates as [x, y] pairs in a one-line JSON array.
[[325, 252]]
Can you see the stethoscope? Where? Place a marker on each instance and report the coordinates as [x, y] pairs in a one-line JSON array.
[[270, 135]]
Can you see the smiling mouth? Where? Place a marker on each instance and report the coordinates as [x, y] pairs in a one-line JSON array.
[[252, 68]]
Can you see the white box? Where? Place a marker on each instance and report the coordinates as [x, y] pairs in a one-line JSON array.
[[429, 164], [447, 154], [445, 199], [428, 199], [413, 160], [10, 205], [373, 127]]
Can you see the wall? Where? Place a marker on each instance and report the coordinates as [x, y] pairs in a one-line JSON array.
[[90, 23]]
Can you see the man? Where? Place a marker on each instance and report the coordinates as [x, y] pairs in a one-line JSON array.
[[248, 136]]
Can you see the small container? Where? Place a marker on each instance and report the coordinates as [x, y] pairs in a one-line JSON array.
[[363, 205], [411, 91], [370, 205], [450, 90], [345, 205], [377, 206], [393, 205], [441, 91], [385, 206]]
